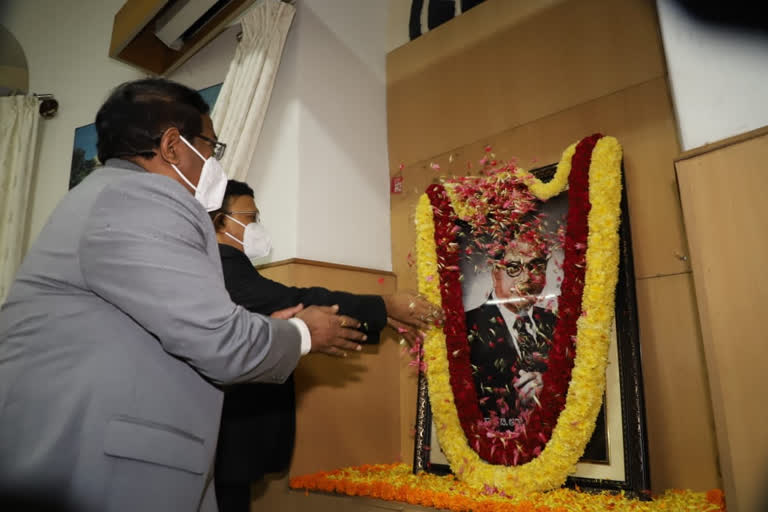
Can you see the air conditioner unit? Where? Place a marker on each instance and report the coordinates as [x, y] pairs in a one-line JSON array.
[[184, 17], [159, 35]]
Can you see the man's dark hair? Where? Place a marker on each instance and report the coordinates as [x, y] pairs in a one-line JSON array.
[[134, 117], [234, 189]]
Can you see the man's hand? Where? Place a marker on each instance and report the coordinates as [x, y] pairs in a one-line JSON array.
[[413, 310], [331, 334], [285, 314], [408, 333], [528, 386]]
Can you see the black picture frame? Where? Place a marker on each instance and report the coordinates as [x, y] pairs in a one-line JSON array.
[[636, 481]]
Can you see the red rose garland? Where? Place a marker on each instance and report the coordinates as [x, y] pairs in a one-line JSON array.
[[561, 355], [522, 445]]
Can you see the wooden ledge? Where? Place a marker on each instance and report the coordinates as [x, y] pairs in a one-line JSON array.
[[730, 141], [325, 264]]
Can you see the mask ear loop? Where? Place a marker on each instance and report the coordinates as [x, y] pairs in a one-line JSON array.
[[184, 177], [235, 239], [193, 148], [181, 174], [241, 242], [234, 219]]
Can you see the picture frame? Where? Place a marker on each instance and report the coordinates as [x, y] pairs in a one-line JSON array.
[[623, 412]]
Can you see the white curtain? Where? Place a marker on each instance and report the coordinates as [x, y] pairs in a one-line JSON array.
[[242, 103], [18, 139]]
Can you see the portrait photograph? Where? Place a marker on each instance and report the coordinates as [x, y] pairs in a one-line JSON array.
[[509, 250]]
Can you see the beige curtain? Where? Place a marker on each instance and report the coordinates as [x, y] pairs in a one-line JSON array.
[[18, 141], [242, 103]]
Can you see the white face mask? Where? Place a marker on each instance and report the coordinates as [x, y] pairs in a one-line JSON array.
[[256, 242], [212, 184]]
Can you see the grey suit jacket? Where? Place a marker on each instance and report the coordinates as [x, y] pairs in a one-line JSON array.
[[113, 338]]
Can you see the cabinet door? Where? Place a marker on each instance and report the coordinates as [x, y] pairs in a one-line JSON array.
[[725, 209]]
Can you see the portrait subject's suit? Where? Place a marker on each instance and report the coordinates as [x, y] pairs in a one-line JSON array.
[[493, 354], [114, 339]]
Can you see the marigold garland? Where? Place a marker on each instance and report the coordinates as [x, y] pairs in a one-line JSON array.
[[558, 182], [507, 197], [396, 482], [576, 421]]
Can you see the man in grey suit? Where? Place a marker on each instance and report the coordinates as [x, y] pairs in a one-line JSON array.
[[118, 328]]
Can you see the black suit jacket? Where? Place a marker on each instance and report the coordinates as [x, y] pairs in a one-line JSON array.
[[258, 421], [494, 358]]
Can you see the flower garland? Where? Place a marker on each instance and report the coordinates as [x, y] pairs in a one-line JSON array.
[[529, 435], [576, 421], [396, 482]]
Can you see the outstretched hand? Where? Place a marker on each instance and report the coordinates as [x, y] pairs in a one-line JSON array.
[[410, 314], [408, 333], [413, 310]]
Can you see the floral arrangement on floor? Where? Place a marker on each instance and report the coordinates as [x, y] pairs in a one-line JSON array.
[[396, 482]]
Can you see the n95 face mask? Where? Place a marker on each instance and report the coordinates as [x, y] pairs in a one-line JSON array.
[[212, 184], [256, 242]]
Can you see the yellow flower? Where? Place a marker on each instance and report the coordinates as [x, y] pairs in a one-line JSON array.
[[559, 181], [396, 482]]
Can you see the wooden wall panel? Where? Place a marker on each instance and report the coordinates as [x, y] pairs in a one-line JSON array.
[[681, 436], [726, 218], [455, 88], [348, 410], [640, 117]]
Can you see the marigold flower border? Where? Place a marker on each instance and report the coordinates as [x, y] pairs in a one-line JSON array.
[[396, 482], [576, 422]]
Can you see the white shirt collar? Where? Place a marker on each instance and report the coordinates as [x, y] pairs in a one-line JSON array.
[[510, 317]]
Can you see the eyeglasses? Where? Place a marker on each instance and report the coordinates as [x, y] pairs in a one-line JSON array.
[[515, 268], [253, 216], [218, 147]]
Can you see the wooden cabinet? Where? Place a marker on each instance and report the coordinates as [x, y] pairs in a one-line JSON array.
[[725, 211]]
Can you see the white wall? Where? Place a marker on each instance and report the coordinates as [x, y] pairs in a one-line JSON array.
[[399, 17], [344, 177], [274, 173], [718, 77], [321, 171], [320, 174]]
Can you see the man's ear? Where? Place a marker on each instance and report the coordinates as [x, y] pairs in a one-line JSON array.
[[170, 142], [218, 222]]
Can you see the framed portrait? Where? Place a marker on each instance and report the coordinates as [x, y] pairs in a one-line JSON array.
[[84, 150], [511, 281]]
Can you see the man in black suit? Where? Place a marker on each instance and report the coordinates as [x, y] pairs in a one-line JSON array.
[[509, 336], [258, 421]]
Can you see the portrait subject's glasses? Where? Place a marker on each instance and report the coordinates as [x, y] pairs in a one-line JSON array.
[[218, 147], [515, 268]]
